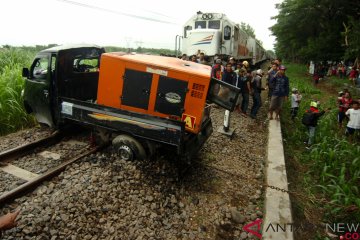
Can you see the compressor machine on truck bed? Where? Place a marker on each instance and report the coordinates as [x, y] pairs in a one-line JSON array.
[[139, 102]]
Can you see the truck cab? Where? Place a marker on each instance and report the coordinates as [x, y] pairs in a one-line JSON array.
[[70, 71]]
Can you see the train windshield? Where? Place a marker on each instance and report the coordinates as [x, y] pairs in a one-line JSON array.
[[214, 24], [200, 24]]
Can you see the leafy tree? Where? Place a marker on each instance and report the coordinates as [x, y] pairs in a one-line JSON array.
[[352, 39], [313, 29], [248, 29]]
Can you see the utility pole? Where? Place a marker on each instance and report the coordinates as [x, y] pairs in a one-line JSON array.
[[128, 40], [138, 44]]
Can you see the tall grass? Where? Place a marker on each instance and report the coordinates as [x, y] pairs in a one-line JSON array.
[[12, 113], [333, 163]]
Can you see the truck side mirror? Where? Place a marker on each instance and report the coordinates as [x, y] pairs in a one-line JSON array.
[[25, 72]]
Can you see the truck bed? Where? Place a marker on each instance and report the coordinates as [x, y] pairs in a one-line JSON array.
[[165, 131]]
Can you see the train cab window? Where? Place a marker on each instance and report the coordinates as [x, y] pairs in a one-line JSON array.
[[187, 28], [214, 24], [200, 24], [40, 68], [227, 33]]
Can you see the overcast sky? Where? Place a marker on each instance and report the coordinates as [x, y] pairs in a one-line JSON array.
[[146, 23]]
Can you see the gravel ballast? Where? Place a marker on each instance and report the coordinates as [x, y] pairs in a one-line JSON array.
[[103, 197]]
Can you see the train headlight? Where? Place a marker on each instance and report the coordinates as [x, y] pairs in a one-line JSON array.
[[204, 16], [210, 16]]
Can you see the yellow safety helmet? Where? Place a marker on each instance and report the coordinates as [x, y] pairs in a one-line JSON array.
[[313, 104], [246, 64]]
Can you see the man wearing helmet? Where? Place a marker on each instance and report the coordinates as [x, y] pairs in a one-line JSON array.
[[280, 82], [245, 64], [313, 114]]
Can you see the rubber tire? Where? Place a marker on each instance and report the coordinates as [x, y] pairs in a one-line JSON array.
[[136, 147]]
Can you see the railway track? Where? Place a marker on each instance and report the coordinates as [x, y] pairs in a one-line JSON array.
[[32, 179]]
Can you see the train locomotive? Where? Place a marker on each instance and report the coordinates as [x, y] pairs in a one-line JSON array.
[[138, 102], [215, 34]]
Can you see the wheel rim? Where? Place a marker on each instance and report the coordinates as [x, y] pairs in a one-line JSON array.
[[125, 153]]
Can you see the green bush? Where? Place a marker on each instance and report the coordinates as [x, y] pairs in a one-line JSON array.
[[334, 162], [12, 112]]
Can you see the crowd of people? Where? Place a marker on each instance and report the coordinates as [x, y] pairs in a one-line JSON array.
[[322, 70], [249, 81], [348, 112]]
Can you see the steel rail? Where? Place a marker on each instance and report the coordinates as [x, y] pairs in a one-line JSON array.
[[24, 149], [26, 187]]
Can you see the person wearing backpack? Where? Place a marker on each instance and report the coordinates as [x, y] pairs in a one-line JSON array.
[[310, 120]]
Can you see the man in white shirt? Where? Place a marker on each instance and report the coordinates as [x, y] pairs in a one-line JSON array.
[[354, 116]]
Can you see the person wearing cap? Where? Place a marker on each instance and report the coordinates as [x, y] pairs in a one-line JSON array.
[[280, 82], [295, 101], [316, 114], [245, 65], [256, 87]]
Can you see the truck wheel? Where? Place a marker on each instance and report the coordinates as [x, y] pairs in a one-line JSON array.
[[129, 148]]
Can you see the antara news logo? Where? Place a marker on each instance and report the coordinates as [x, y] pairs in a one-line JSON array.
[[342, 231]]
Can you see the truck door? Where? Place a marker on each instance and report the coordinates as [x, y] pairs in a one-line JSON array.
[[136, 89], [171, 96], [38, 92], [223, 94]]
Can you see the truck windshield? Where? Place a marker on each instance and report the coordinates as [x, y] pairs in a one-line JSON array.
[[40, 68]]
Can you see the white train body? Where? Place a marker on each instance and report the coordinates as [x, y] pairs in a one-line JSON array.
[[215, 33]]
